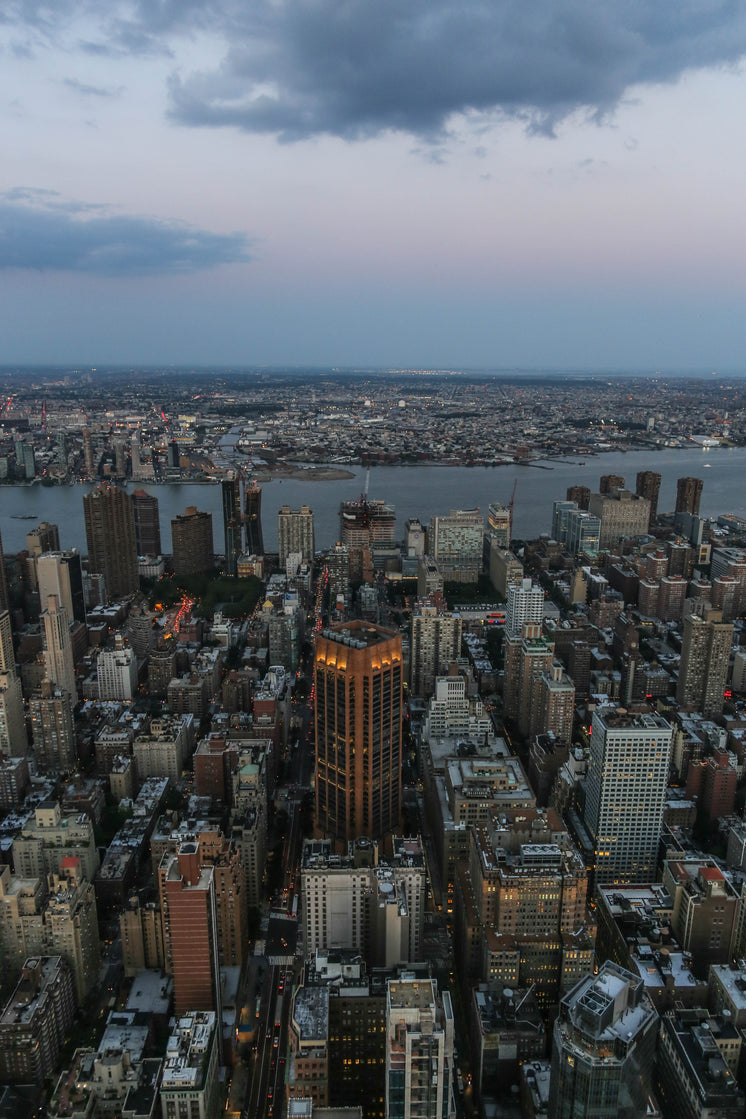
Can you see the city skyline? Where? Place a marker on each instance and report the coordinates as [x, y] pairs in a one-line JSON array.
[[483, 188]]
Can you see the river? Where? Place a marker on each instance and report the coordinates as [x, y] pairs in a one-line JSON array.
[[415, 491]]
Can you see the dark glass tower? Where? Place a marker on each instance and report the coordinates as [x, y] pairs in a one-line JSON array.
[[231, 493], [253, 519]]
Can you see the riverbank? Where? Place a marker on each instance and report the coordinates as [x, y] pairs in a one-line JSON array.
[[279, 471]]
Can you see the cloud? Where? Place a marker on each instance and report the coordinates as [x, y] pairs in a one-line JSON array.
[[354, 68], [359, 68], [92, 90], [39, 232]]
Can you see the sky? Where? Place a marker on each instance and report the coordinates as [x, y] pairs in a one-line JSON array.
[[404, 183]]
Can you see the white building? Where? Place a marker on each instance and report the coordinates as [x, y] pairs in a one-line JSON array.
[[354, 902], [58, 650], [117, 672], [525, 605], [625, 793]]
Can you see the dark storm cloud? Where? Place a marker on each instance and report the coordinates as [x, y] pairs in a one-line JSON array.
[[48, 236], [357, 68]]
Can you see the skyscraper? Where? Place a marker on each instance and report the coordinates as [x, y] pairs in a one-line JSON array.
[[435, 644], [525, 604], [232, 526], [58, 650], [59, 573], [648, 486], [253, 518], [610, 482], [52, 729], [625, 793], [688, 494], [705, 657], [603, 1048], [358, 723], [498, 523], [190, 929], [3, 580], [44, 538], [295, 533], [581, 495], [13, 740], [147, 523], [191, 542], [110, 532]]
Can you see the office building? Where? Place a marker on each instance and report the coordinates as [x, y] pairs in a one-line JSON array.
[[625, 793], [190, 929], [456, 543], [191, 542], [703, 668], [60, 574], [435, 643], [525, 606], [52, 729], [147, 523], [358, 728], [295, 533], [419, 1050], [688, 495], [230, 489], [603, 1048], [522, 912], [58, 650], [253, 518], [621, 513], [110, 533], [648, 485]]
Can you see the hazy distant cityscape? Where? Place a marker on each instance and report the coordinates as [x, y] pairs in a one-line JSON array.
[[408, 818]]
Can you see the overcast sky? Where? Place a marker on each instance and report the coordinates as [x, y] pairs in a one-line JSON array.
[[555, 184]]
